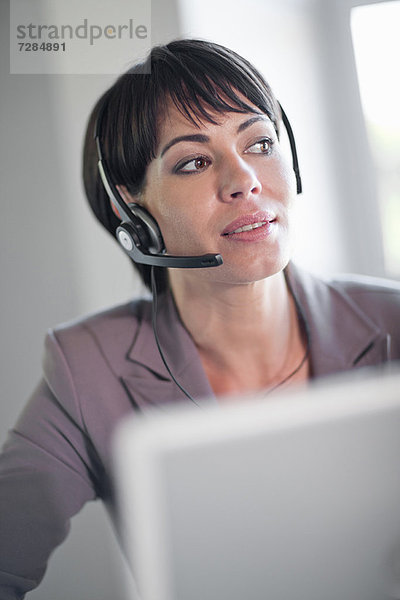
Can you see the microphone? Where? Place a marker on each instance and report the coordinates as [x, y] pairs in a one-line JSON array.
[[129, 240]]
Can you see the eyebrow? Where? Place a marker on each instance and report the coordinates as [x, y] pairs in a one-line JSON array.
[[203, 139], [250, 121], [196, 137]]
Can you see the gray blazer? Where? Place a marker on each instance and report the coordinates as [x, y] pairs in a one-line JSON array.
[[101, 368]]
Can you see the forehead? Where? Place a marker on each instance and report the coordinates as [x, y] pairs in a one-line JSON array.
[[172, 122]]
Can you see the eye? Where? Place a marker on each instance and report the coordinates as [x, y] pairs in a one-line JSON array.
[[194, 165], [263, 146]]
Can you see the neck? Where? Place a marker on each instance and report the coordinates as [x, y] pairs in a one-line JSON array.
[[248, 336]]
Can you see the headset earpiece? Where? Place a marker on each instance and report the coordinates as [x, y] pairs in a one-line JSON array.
[[148, 233]]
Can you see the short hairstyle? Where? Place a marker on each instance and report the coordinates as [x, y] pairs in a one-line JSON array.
[[201, 78]]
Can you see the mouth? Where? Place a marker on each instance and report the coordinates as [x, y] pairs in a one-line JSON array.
[[247, 227], [248, 223]]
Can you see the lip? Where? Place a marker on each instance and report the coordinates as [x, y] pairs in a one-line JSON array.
[[250, 219]]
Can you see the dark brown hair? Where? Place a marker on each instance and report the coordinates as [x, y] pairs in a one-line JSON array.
[[200, 78]]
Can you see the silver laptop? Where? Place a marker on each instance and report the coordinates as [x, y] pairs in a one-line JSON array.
[[295, 497]]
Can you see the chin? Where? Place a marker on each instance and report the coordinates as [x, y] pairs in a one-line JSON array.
[[260, 265], [249, 272]]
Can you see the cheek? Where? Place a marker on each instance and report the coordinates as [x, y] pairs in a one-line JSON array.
[[180, 218], [184, 230], [284, 182]]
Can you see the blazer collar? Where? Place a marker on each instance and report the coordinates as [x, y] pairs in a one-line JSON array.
[[342, 336], [180, 354]]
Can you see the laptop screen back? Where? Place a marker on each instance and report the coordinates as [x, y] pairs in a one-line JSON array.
[[296, 497]]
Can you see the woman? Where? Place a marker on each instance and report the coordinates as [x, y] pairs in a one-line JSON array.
[[194, 150]]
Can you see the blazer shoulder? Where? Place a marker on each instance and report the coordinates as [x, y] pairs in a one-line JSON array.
[[376, 298], [117, 323], [363, 288], [98, 342], [357, 288], [379, 298], [84, 360]]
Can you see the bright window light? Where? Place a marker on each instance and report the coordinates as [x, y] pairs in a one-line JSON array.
[[376, 40]]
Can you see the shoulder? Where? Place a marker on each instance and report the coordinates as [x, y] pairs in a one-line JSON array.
[[372, 298], [106, 330], [85, 363], [349, 317], [358, 285], [378, 297], [86, 357], [367, 292]]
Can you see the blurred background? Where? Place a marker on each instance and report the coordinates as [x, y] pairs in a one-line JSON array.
[[333, 64]]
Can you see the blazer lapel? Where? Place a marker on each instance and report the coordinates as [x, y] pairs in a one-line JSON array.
[[342, 336], [147, 379]]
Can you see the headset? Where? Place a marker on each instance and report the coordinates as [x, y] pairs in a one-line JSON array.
[[139, 233]]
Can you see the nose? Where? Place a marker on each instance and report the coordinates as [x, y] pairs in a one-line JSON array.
[[238, 180]]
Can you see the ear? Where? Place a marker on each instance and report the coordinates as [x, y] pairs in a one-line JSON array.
[[129, 199]]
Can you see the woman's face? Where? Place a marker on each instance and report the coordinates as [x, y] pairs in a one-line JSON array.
[[226, 189]]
